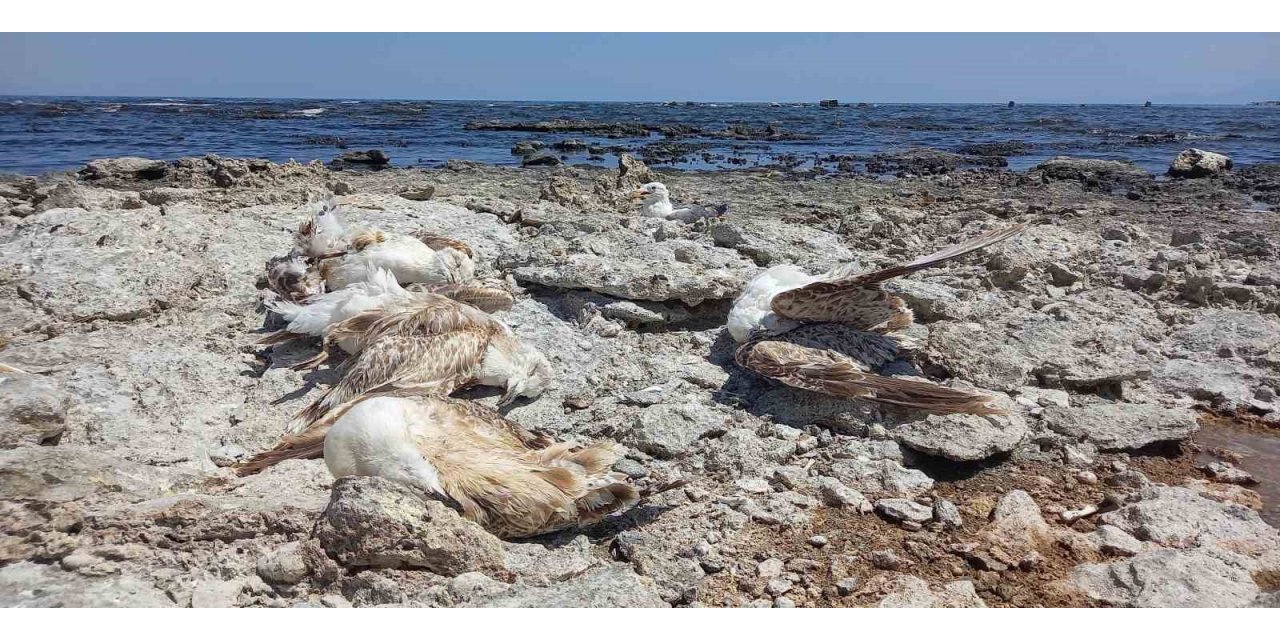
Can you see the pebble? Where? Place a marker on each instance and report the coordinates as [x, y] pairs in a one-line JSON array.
[[782, 602], [903, 510], [778, 586], [846, 586], [947, 514], [771, 568], [1087, 477], [818, 541]]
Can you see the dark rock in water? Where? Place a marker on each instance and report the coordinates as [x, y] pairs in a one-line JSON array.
[[1091, 172], [1261, 181], [1012, 103], [828, 103], [571, 145], [125, 169], [995, 149], [1148, 103], [527, 147], [562, 126], [925, 161], [541, 159], [1194, 163], [372, 156]]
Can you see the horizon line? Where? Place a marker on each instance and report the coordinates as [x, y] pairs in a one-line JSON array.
[[843, 103]]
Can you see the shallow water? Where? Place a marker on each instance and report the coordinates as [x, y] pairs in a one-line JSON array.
[[1260, 453], [46, 134]]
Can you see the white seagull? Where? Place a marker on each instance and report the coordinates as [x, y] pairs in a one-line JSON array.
[[656, 203]]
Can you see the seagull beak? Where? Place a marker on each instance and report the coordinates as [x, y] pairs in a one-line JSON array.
[[508, 397], [637, 194]]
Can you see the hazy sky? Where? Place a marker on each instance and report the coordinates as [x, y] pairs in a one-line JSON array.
[[1070, 68]]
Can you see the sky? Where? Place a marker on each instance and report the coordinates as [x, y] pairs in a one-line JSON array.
[[1046, 68]]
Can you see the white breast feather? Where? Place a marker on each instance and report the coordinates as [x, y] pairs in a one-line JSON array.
[[375, 438], [312, 318], [752, 310]]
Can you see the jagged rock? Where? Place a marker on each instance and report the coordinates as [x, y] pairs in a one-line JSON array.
[[881, 476], [26, 584], [1116, 541], [371, 522], [622, 264], [900, 510], [124, 168], [1016, 521], [947, 514], [835, 494], [963, 437], [1169, 578], [614, 585], [1194, 163], [667, 431], [285, 565], [1118, 425], [1181, 517], [32, 410], [911, 592]]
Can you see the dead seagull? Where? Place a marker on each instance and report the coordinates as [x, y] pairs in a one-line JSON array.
[[826, 333], [382, 291], [435, 346], [656, 203], [498, 474], [420, 257]]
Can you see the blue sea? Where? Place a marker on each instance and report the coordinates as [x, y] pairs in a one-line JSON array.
[[43, 134]]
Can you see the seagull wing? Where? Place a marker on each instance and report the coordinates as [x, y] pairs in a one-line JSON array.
[[438, 364], [691, 212], [859, 299], [833, 374], [484, 298]]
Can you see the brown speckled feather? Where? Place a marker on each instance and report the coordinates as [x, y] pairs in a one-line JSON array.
[[439, 364], [831, 373], [485, 298], [439, 242], [510, 489], [860, 301]]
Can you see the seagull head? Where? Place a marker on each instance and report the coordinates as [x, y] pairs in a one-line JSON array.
[[531, 377], [651, 192]]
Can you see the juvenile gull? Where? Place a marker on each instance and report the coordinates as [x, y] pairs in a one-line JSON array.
[[826, 333], [435, 346], [497, 473], [656, 203]]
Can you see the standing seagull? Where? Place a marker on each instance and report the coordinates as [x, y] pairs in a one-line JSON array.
[[434, 347], [470, 455], [826, 333], [656, 203]]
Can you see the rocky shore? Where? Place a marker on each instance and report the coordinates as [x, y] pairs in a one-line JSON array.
[[1133, 313]]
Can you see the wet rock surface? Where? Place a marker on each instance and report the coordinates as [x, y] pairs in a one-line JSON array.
[[130, 303]]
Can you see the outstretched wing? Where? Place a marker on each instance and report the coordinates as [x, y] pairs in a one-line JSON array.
[[859, 299], [487, 299], [833, 374], [438, 364], [439, 242]]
